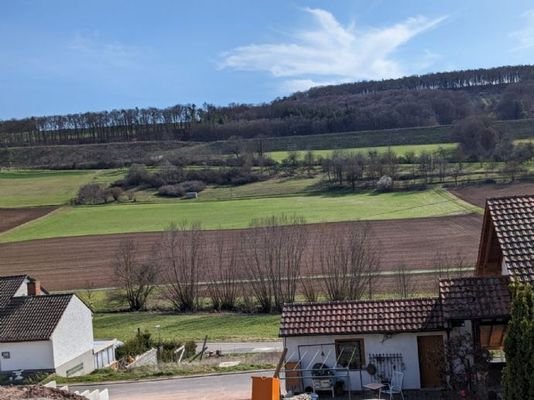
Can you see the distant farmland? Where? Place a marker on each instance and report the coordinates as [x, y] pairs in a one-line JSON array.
[[400, 150], [108, 219], [29, 188]]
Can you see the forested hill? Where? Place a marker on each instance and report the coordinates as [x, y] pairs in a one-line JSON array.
[[427, 100], [442, 80]]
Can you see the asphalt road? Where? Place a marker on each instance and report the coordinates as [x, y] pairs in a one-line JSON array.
[[244, 347], [227, 387]]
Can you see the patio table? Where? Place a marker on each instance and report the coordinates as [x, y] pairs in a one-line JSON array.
[[375, 386]]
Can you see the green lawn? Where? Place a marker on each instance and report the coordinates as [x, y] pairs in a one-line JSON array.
[[91, 220], [269, 188], [27, 188], [218, 327], [400, 150]]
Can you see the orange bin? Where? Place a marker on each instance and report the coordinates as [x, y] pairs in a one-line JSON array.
[[265, 388]]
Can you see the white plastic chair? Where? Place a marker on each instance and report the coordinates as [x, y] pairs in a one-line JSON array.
[[395, 386]]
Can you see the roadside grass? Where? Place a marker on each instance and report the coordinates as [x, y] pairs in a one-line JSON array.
[[185, 327], [400, 150], [29, 188], [325, 207], [248, 362]]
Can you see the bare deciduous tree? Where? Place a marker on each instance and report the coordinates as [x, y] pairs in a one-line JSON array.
[[223, 286], [448, 265], [135, 277], [310, 284], [348, 259], [404, 281], [181, 257], [276, 246]]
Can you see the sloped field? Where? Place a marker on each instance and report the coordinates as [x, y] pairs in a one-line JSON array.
[[81, 262], [12, 217]]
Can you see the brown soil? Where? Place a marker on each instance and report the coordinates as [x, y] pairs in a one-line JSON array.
[[12, 217], [81, 262], [36, 393], [477, 194]]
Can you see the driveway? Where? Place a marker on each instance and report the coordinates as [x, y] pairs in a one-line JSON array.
[[227, 387]]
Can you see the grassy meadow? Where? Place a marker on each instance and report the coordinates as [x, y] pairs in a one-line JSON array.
[[400, 150], [228, 214], [218, 327], [29, 188]]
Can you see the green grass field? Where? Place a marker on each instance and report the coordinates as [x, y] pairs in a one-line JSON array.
[[400, 150], [76, 221], [28, 188], [218, 327]]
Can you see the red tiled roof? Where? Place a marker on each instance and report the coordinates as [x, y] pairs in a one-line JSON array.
[[358, 317], [29, 318], [475, 297], [513, 219]]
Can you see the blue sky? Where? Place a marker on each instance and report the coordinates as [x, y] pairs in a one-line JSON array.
[[63, 56]]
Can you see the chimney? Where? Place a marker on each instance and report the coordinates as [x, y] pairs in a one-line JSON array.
[[34, 288]]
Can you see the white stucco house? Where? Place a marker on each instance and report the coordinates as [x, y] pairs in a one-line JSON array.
[[43, 332], [403, 335], [351, 335]]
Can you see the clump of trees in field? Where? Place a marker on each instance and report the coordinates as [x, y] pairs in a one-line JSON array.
[[258, 269], [348, 260], [175, 180], [135, 276], [273, 251], [96, 193]]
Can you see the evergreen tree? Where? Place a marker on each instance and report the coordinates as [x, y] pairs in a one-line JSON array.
[[518, 379]]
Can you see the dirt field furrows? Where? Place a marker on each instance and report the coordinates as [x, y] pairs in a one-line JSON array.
[[80, 262], [12, 217], [478, 194]]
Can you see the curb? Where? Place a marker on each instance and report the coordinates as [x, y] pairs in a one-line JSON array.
[[169, 378]]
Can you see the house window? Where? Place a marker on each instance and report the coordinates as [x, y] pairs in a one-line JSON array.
[[492, 336], [350, 353], [492, 339]]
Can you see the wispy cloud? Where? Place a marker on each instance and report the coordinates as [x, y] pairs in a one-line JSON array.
[[525, 36], [94, 49], [330, 52]]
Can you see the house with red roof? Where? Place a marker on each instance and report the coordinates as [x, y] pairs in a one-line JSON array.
[[43, 332], [366, 341]]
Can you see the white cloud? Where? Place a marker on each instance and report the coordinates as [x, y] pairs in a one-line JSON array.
[[330, 52], [525, 36]]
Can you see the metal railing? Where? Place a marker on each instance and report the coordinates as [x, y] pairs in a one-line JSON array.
[[385, 364]]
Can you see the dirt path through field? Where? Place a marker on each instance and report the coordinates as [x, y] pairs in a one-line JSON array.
[[80, 262]]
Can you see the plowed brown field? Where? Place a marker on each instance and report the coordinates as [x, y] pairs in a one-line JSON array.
[[12, 217], [79, 262], [478, 194]]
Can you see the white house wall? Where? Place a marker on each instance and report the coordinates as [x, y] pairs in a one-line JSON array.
[[504, 267], [403, 343], [73, 336], [26, 355], [23, 289]]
